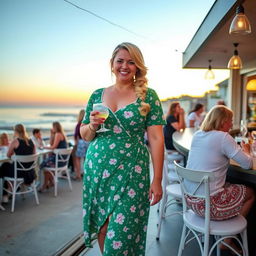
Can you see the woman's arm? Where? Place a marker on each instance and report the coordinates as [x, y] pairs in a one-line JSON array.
[[88, 131], [191, 123], [181, 123], [14, 144], [56, 140], [156, 141]]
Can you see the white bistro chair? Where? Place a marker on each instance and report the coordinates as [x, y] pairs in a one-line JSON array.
[[60, 170], [171, 193], [17, 186], [202, 228]]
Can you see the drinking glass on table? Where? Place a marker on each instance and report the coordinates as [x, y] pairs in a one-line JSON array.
[[103, 113], [243, 128]]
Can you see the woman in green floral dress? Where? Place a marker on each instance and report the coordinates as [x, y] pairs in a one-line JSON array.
[[117, 191]]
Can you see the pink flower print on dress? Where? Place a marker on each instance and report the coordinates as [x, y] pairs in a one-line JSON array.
[[112, 161], [117, 244], [125, 253], [138, 169], [154, 117], [84, 212], [120, 218], [116, 197], [132, 123], [111, 146], [141, 185], [145, 228], [125, 229], [157, 103], [131, 193], [132, 208], [128, 114], [142, 213], [121, 167], [86, 234], [110, 234], [127, 145], [105, 174], [137, 239], [117, 129], [129, 237]]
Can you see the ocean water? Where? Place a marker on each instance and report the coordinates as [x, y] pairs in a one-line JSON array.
[[38, 117]]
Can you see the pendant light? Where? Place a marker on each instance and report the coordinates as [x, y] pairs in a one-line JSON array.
[[240, 24], [209, 75], [235, 62]]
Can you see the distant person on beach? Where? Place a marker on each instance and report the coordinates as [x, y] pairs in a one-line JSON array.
[[117, 191], [4, 140], [195, 117], [58, 139], [20, 145], [37, 138], [80, 146], [175, 121]]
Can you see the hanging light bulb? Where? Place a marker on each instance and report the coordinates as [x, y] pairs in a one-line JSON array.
[[209, 75], [240, 24], [235, 62]]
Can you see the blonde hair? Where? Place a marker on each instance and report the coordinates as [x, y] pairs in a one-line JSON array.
[[216, 117], [140, 80], [81, 116], [57, 126], [3, 139], [21, 131]]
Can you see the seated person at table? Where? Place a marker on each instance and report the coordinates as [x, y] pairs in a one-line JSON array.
[[4, 140], [37, 138], [174, 122], [21, 145], [211, 150], [57, 140], [195, 117]]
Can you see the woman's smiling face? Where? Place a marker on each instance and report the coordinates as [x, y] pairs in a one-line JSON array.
[[124, 66]]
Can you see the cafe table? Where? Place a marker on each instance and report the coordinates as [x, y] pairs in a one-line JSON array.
[[182, 142]]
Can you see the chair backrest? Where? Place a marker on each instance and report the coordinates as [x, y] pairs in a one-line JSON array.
[[62, 156], [202, 178], [24, 162]]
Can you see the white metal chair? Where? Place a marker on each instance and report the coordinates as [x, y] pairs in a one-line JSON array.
[[60, 170], [171, 188], [16, 185], [202, 228]]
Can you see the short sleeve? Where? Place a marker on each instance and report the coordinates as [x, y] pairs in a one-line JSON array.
[[155, 115], [94, 98]]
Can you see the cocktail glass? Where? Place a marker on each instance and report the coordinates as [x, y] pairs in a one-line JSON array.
[[103, 113]]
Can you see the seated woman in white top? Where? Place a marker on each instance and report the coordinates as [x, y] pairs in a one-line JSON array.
[[211, 150], [195, 117]]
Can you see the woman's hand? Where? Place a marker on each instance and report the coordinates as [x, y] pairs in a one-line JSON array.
[[155, 192], [181, 111], [245, 147], [95, 121]]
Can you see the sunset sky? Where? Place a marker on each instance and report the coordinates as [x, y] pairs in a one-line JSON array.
[[54, 53]]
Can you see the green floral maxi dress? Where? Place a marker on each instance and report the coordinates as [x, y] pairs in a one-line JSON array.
[[116, 177]]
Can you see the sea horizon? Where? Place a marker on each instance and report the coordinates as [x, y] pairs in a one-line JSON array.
[[36, 116]]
